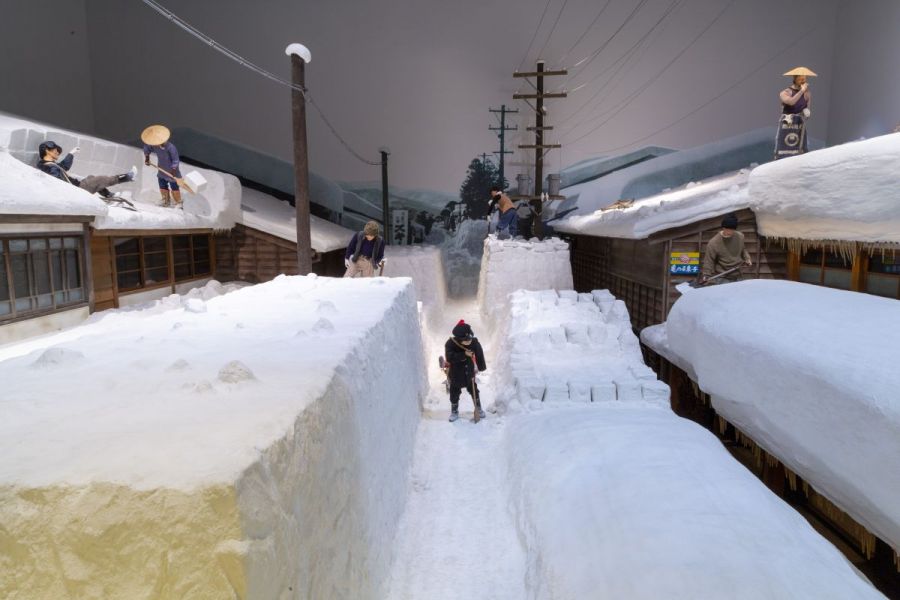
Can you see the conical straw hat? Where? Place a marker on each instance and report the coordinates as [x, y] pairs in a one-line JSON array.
[[155, 135], [800, 71]]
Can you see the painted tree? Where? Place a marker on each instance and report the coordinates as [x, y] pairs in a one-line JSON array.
[[475, 191]]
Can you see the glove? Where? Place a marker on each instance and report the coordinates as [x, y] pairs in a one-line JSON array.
[[176, 172], [347, 263], [806, 113], [75, 150]]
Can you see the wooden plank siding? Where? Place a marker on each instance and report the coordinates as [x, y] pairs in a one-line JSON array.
[[637, 271], [247, 254], [104, 273]]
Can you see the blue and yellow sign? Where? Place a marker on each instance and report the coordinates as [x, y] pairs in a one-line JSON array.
[[684, 263]]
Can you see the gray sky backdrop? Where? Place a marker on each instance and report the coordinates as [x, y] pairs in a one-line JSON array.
[[419, 75]]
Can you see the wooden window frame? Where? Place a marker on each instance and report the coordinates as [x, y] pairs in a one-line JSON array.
[[16, 314], [171, 265]]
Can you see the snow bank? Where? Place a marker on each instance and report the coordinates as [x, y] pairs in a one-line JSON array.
[[425, 265], [230, 448], [693, 202], [217, 207], [277, 217], [463, 251], [847, 193], [621, 501], [27, 191], [828, 406], [510, 265], [568, 347]]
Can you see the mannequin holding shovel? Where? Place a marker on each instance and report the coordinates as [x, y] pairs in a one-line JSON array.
[[156, 140]]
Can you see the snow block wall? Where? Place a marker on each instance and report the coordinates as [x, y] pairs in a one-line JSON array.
[[622, 501], [230, 448], [510, 265], [828, 406], [425, 266], [567, 347]]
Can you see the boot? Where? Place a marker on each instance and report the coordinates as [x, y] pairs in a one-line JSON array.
[[479, 409], [129, 176], [176, 195], [165, 197], [454, 412]]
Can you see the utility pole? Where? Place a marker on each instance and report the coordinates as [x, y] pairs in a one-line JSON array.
[[540, 148], [502, 135], [385, 193], [484, 158], [300, 55]]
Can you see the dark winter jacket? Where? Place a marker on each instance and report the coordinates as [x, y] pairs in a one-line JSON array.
[[360, 246], [58, 169], [166, 158], [462, 369]]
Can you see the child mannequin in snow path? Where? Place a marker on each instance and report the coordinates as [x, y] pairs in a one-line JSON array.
[[463, 354]]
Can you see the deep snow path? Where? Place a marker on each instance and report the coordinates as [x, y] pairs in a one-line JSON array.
[[457, 537]]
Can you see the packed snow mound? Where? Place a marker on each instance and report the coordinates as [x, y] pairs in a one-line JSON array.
[[823, 413], [516, 264], [846, 193], [622, 501], [425, 266], [566, 347], [277, 217], [246, 456], [216, 207], [693, 202], [27, 191]]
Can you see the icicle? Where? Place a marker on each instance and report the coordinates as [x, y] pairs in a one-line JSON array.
[[722, 423], [792, 479]]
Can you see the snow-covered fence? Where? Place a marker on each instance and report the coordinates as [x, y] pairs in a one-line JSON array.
[[570, 347]]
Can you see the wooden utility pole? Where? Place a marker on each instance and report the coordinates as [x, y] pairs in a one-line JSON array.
[[385, 194], [540, 149], [502, 135], [299, 57]]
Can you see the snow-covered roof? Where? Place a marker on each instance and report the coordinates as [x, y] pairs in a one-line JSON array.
[[27, 191], [671, 170], [688, 204], [269, 214], [598, 166], [828, 403], [846, 193], [215, 207]]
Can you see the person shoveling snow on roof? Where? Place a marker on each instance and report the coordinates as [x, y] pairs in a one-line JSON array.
[[795, 110], [724, 252], [364, 252], [49, 163], [464, 358], [168, 163]]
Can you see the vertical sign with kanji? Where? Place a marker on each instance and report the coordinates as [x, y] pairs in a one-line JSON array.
[[399, 227]]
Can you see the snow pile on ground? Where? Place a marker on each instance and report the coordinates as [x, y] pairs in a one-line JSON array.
[[27, 191], [277, 217], [425, 265], [510, 265], [216, 207], [234, 447], [846, 193], [689, 204], [569, 347], [623, 501], [828, 404], [462, 256]]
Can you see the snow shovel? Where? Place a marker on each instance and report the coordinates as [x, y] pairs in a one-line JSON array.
[[446, 369], [701, 283], [381, 267], [199, 180], [475, 400]]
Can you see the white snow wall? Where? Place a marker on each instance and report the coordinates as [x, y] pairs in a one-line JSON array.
[[510, 265], [326, 501]]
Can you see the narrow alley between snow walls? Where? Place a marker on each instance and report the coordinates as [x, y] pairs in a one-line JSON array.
[[287, 440]]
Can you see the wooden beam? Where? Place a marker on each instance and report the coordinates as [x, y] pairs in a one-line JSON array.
[[544, 128], [858, 273], [540, 146], [542, 73], [45, 219], [148, 232], [543, 95]]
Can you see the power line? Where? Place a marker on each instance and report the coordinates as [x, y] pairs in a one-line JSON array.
[[590, 58], [622, 105], [712, 100], [552, 29], [586, 31], [625, 57], [256, 69], [534, 37]]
